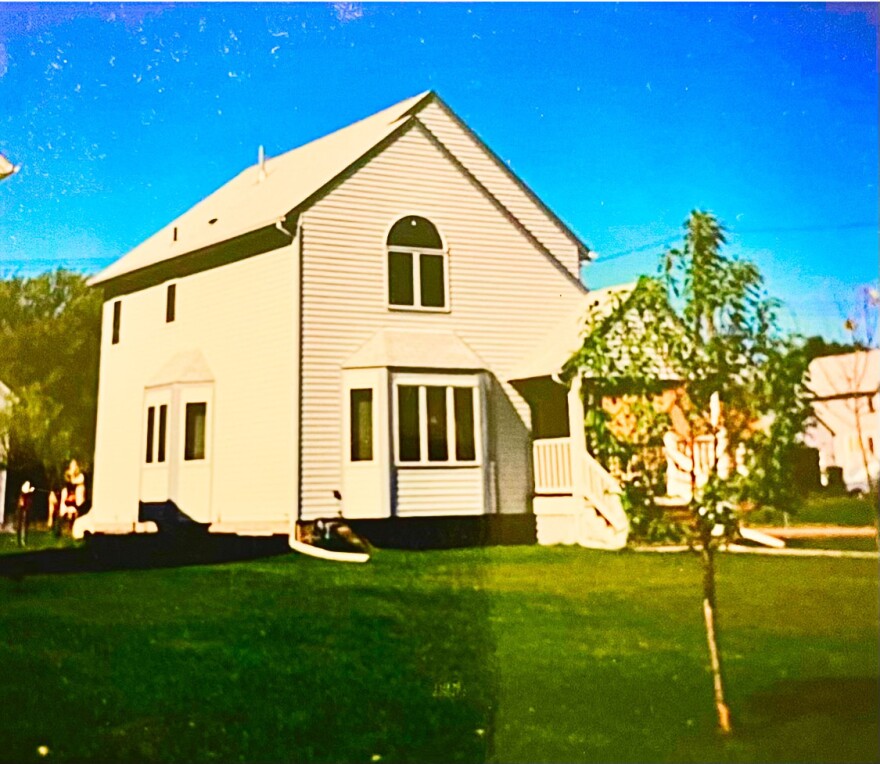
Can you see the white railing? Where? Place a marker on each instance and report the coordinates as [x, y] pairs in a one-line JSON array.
[[552, 463], [552, 459], [601, 489], [707, 457]]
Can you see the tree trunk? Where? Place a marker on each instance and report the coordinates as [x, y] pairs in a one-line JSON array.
[[866, 462], [707, 555]]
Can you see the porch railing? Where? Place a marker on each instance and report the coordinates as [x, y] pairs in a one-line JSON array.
[[552, 464], [554, 476]]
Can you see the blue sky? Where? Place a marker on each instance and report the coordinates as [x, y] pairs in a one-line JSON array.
[[622, 117]]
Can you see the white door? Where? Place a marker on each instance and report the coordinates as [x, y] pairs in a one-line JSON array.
[[191, 476], [155, 452], [366, 491]]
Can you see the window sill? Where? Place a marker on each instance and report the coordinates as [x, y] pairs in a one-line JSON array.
[[417, 309], [437, 465]]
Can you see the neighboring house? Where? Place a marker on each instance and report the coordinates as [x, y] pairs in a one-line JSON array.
[[4, 398], [372, 314], [847, 428]]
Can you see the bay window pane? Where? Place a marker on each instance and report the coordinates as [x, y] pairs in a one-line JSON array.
[[163, 427], [408, 423], [361, 425], [431, 277], [151, 423], [400, 278], [438, 448], [465, 446], [194, 443]]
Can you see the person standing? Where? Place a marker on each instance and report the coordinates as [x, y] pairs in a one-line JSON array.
[[22, 519], [73, 496]]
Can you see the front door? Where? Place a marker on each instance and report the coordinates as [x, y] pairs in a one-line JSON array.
[[155, 455]]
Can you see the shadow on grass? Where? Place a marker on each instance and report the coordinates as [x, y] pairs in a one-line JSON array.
[[847, 696], [822, 719], [294, 659], [136, 552]]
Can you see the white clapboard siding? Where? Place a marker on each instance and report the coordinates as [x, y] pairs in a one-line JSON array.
[[242, 318], [505, 296], [438, 491], [505, 188]]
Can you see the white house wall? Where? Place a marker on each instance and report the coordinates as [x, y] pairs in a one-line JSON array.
[[842, 449], [505, 296], [242, 318], [460, 489], [501, 185]]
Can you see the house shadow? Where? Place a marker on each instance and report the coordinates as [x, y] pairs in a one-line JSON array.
[[166, 549]]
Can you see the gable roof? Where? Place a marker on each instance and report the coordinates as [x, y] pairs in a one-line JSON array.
[[844, 375], [257, 199]]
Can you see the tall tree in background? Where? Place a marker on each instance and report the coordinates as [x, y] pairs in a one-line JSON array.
[[50, 328], [708, 322]]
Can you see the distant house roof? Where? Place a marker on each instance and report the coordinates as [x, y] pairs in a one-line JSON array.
[[393, 348], [258, 198], [847, 374], [563, 341]]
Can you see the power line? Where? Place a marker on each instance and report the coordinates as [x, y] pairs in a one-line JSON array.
[[772, 229]]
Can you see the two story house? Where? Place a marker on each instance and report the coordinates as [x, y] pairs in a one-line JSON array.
[[370, 325]]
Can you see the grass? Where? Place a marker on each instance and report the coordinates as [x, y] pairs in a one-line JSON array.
[[823, 510], [500, 654], [37, 540]]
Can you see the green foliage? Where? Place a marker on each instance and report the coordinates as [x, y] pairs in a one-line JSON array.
[[706, 323], [649, 522], [49, 344]]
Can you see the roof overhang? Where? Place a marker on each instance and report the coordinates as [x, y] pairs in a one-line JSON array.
[[393, 348]]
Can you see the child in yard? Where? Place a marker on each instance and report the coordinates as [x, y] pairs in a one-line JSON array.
[[73, 496]]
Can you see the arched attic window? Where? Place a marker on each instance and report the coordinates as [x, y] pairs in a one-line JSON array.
[[417, 265]]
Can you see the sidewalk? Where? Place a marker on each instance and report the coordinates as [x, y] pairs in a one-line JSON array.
[[817, 531]]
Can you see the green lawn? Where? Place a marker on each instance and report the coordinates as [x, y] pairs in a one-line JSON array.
[[822, 510], [499, 654]]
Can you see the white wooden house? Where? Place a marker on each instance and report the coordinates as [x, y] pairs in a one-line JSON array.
[[373, 315], [846, 405]]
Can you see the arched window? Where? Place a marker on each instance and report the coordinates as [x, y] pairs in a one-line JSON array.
[[417, 268]]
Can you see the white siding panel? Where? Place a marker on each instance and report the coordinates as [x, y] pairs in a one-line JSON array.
[[505, 296], [242, 318], [501, 185], [438, 491]]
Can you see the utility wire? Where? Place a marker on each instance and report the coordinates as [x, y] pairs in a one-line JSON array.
[[773, 229]]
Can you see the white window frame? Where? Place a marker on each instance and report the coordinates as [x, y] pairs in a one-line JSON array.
[[449, 381], [416, 253]]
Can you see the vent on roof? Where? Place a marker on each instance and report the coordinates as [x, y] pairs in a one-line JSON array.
[[174, 234], [212, 221], [261, 161]]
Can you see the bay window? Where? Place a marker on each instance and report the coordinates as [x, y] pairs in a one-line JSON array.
[[437, 420]]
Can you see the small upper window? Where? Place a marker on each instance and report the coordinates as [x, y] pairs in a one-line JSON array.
[[117, 320], [170, 303], [417, 265]]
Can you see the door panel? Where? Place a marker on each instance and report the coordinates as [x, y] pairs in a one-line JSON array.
[[154, 452]]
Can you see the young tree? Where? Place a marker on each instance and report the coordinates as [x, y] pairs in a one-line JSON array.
[[706, 327], [862, 323]]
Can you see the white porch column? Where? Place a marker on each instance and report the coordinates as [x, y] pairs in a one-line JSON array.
[[576, 433]]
